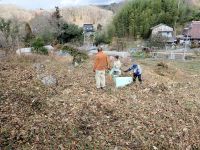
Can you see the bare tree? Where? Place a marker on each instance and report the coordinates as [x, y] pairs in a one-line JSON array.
[[158, 41], [14, 34], [5, 28], [10, 32]]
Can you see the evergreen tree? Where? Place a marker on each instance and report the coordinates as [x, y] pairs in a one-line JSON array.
[[56, 16], [28, 35], [137, 17]]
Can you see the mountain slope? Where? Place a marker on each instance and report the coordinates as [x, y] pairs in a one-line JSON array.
[[114, 7], [194, 2], [86, 14], [76, 15], [12, 11]]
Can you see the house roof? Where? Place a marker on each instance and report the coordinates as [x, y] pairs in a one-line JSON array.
[[194, 30], [161, 24], [87, 24]]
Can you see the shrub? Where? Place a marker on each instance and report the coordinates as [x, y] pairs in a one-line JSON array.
[[78, 55], [158, 41], [70, 33], [47, 36], [141, 54], [102, 38], [162, 64], [195, 44], [197, 52], [38, 46]]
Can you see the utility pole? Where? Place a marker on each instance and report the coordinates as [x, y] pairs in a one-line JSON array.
[[186, 42], [179, 2]]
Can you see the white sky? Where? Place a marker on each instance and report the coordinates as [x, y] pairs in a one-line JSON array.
[[47, 4]]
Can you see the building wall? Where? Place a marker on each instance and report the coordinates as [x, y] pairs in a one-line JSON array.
[[88, 28], [167, 34], [162, 28]]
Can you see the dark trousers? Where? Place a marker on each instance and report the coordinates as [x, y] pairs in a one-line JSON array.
[[135, 76]]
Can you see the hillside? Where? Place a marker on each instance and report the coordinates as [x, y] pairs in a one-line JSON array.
[[76, 15], [12, 11], [114, 7], [86, 14], [194, 2]]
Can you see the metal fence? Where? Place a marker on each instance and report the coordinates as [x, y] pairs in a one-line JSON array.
[[172, 55]]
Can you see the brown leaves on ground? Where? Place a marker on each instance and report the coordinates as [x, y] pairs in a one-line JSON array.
[[162, 113]]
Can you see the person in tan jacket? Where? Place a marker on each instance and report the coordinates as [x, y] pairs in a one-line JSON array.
[[101, 64]]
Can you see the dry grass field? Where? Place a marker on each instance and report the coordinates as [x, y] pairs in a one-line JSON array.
[[161, 113]]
